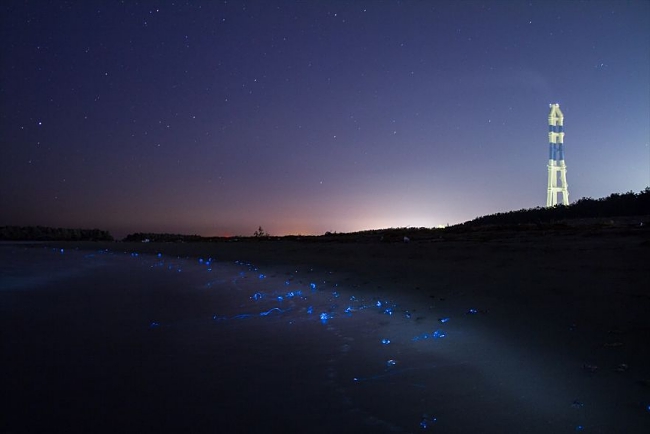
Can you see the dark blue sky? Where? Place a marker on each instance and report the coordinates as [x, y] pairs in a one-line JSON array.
[[217, 117]]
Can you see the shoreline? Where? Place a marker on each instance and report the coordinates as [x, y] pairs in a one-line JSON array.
[[600, 280], [536, 322]]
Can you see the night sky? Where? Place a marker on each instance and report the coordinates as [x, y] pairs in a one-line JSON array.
[[213, 118]]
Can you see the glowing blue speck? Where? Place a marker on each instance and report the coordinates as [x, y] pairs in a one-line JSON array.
[[472, 311], [313, 286], [391, 362], [262, 276], [443, 320], [385, 341], [310, 310], [324, 317], [160, 255], [61, 250], [426, 420], [378, 303], [439, 334], [271, 310]]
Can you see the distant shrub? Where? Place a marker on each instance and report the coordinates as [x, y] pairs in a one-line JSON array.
[[259, 233]]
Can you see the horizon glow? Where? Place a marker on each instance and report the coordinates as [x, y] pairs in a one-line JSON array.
[[215, 119]]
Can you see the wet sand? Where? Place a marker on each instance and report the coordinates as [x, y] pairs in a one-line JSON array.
[[547, 332]]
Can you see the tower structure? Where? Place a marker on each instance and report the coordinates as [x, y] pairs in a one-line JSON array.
[[556, 166]]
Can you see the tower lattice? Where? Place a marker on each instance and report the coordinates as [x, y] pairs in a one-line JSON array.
[[556, 166]]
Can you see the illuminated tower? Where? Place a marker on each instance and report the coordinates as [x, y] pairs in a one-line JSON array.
[[556, 167]]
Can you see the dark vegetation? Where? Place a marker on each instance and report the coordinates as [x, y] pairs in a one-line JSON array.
[[616, 205], [586, 212], [41, 233], [629, 208], [145, 237]]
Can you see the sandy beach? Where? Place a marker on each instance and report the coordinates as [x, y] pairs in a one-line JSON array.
[[491, 332]]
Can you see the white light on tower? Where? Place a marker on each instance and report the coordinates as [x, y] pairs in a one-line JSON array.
[[556, 167]]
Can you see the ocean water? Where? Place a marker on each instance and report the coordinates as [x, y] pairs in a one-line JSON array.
[[105, 341]]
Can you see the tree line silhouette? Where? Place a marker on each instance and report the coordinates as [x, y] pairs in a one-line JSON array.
[[615, 205], [42, 233], [146, 237]]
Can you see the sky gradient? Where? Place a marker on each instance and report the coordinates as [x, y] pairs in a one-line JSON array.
[[213, 118]]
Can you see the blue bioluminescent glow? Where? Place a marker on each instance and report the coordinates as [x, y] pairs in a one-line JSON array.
[[265, 308], [271, 310], [426, 421], [438, 334]]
